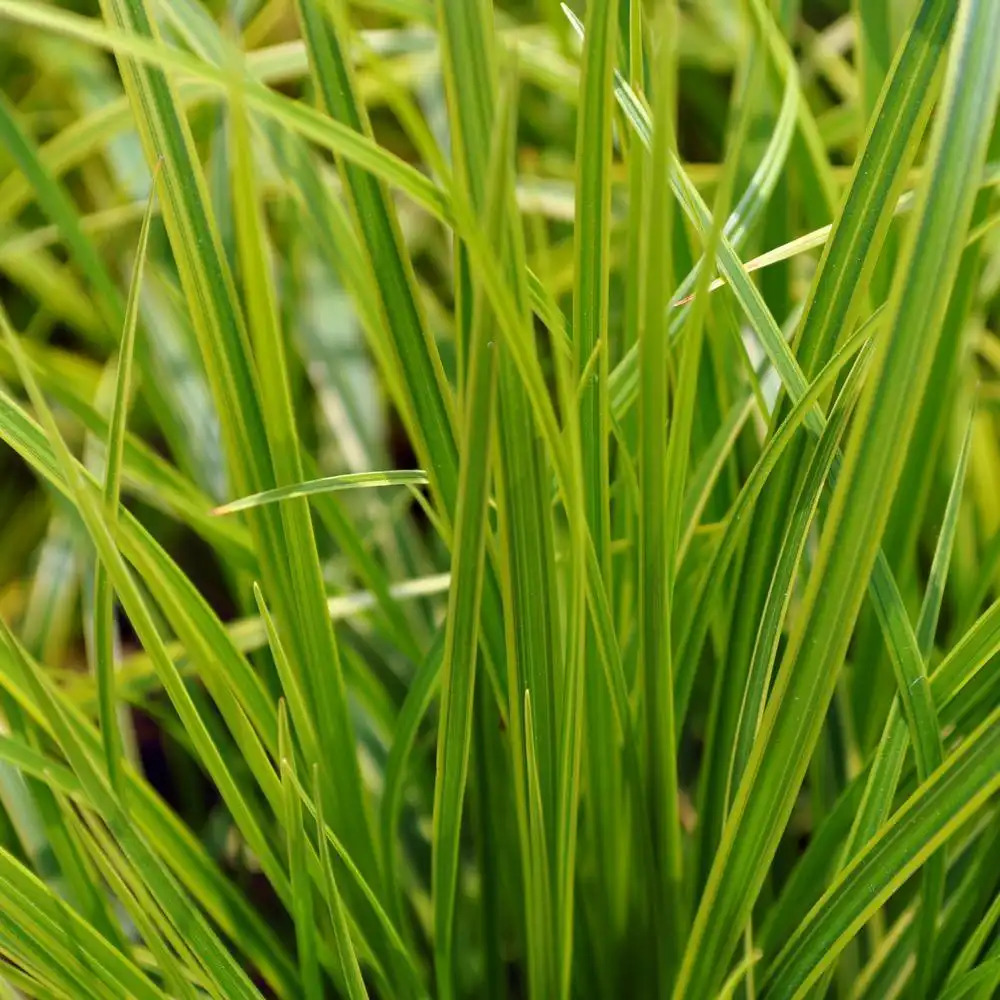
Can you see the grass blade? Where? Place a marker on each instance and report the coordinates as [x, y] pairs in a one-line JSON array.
[[305, 923], [590, 339], [328, 484], [930, 609], [458, 663], [342, 936], [103, 597]]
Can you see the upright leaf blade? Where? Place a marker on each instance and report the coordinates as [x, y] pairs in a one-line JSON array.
[[104, 631]]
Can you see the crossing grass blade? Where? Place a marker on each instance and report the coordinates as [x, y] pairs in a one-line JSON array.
[[328, 484]]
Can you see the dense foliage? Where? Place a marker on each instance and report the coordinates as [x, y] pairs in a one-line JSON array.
[[499, 500]]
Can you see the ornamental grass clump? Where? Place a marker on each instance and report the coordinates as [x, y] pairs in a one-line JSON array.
[[499, 499]]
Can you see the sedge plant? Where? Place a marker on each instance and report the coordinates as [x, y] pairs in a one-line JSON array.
[[499, 499]]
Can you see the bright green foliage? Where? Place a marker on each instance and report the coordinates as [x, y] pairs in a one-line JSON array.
[[499, 499]]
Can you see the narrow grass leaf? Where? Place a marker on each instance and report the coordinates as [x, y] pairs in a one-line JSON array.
[[356, 989], [328, 484], [104, 641], [295, 845]]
